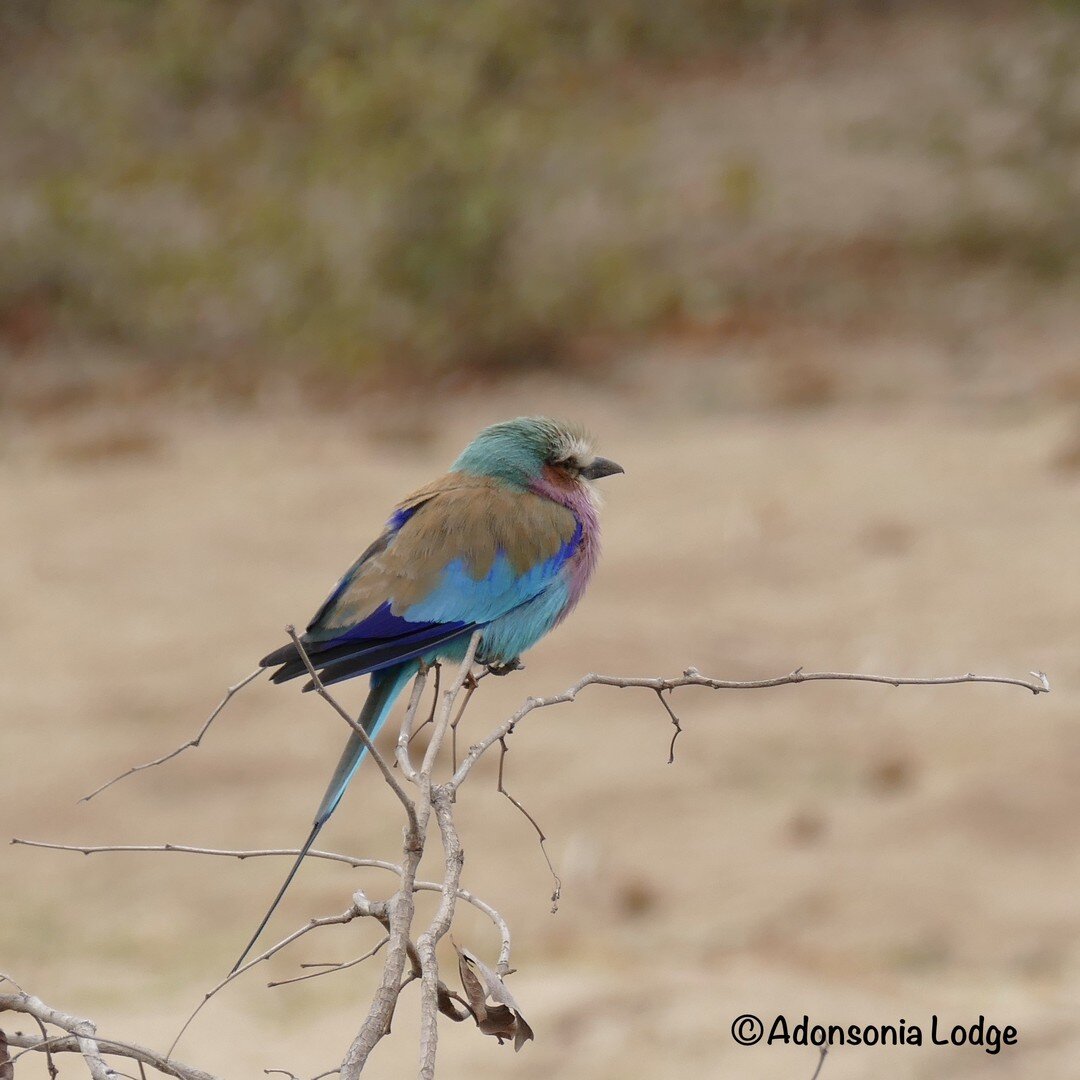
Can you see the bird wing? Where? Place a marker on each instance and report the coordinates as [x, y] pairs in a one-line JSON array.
[[453, 557]]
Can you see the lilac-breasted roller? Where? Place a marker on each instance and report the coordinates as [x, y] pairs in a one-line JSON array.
[[504, 543]]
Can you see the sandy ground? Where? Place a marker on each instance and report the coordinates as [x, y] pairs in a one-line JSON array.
[[856, 853]]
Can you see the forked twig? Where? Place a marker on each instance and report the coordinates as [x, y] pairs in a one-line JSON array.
[[692, 677], [351, 912], [329, 969]]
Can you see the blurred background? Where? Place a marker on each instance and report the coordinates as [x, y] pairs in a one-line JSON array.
[[810, 269]]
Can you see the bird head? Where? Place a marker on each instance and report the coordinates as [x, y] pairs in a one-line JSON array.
[[524, 451]]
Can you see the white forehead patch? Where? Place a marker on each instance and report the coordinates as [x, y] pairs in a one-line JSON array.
[[580, 449], [575, 446]]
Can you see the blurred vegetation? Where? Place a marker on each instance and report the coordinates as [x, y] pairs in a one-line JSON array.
[[1016, 186], [401, 183]]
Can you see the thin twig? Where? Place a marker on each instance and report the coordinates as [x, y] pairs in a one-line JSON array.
[[328, 969], [470, 688], [185, 849], [678, 726], [556, 891], [189, 745], [693, 677], [377, 864], [50, 1065], [350, 913]]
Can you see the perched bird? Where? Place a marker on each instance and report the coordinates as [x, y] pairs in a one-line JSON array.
[[504, 543]]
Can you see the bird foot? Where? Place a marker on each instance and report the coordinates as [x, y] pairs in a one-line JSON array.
[[507, 668]]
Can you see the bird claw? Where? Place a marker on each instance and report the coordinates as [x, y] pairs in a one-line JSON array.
[[507, 668]]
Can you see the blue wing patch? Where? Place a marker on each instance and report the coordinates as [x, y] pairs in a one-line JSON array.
[[459, 604], [460, 596]]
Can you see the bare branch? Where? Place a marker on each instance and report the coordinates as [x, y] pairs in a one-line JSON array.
[[403, 961], [333, 856], [185, 849], [351, 912], [285, 1072], [693, 677], [328, 969], [402, 905], [454, 860], [82, 1038], [439, 799], [189, 745], [398, 923]]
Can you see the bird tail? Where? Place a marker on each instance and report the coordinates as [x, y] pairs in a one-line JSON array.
[[385, 687]]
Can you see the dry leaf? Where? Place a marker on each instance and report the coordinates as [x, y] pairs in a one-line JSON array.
[[493, 1006]]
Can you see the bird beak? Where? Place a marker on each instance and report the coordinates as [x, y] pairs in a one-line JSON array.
[[601, 467]]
